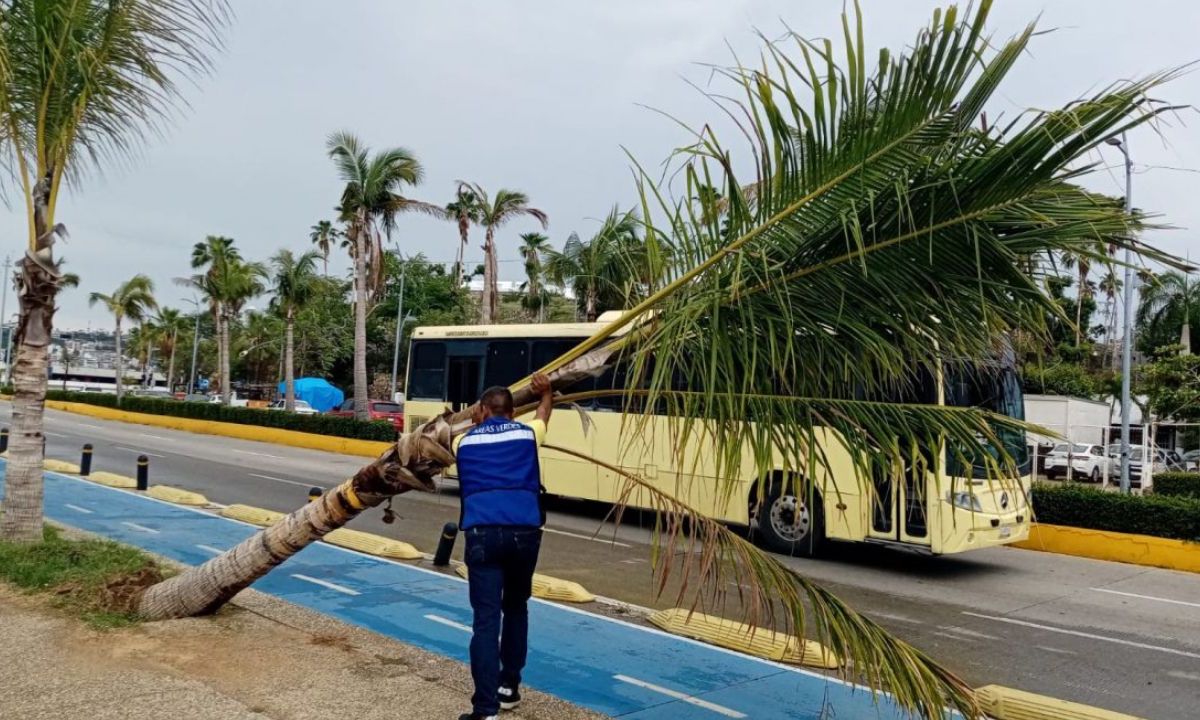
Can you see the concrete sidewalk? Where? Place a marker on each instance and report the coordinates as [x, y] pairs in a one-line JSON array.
[[259, 658]]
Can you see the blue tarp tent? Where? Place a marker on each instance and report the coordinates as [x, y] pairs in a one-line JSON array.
[[316, 392]]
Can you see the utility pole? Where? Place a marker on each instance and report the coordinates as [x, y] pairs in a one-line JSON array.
[[399, 327], [3, 318], [195, 346], [1127, 341]]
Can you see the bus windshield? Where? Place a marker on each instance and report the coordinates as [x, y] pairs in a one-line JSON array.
[[998, 390]]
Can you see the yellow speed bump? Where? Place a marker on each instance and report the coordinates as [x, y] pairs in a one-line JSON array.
[[550, 588], [252, 515], [372, 544], [61, 466], [111, 479], [1003, 703], [734, 635], [176, 495]]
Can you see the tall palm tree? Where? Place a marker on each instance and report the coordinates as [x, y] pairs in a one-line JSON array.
[[292, 284], [494, 213], [170, 322], [80, 83], [464, 211], [1169, 302], [216, 255], [1110, 285], [240, 282], [324, 234], [826, 287], [1084, 289], [603, 271], [533, 247], [370, 202], [132, 300]]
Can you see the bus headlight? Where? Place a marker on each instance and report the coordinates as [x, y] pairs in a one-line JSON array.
[[965, 500]]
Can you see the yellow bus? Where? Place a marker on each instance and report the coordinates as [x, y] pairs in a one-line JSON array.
[[956, 510]]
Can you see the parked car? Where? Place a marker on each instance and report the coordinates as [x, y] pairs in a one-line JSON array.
[[378, 410], [1191, 461], [302, 407], [1077, 460]]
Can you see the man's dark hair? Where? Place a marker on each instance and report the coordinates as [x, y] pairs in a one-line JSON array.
[[498, 399]]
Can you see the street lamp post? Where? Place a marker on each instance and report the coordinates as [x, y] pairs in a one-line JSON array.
[[1127, 341], [399, 328], [3, 304], [195, 345]]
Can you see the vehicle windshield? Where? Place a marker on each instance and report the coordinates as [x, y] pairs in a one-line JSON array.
[[387, 408], [1060, 449], [998, 390]]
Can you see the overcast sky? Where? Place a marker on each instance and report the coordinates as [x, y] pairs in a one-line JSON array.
[[535, 95]]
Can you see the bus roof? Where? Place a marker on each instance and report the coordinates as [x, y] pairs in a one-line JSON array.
[[549, 330]]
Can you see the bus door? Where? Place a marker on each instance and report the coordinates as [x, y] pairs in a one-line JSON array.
[[901, 498], [464, 373]]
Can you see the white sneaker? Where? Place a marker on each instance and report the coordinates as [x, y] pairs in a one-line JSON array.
[[510, 698]]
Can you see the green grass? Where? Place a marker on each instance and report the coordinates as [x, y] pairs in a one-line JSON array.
[[92, 579]]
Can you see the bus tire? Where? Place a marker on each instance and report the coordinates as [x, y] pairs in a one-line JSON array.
[[786, 525]]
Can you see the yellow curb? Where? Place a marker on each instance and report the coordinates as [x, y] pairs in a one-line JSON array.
[[372, 544], [60, 466], [252, 515], [734, 635], [1003, 703], [1114, 546], [259, 433], [111, 479], [550, 588], [177, 496]]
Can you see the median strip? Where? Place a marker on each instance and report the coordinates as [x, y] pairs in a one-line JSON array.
[[550, 588], [1004, 703], [177, 495], [61, 466], [252, 515], [112, 479], [372, 544], [760, 642]]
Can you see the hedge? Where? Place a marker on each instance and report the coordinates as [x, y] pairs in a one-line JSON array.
[[322, 424], [1178, 484], [1089, 507]]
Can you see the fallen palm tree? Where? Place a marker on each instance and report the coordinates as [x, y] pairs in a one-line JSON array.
[[885, 228]]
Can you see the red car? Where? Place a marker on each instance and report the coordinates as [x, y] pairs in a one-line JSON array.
[[378, 410]]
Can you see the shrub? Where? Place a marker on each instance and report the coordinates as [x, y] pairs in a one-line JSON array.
[[1060, 379], [1088, 507], [319, 424], [1178, 484]]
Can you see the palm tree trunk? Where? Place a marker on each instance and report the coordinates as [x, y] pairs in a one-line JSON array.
[[289, 377], [411, 464], [487, 305], [37, 287], [590, 303], [360, 320], [119, 365], [225, 373], [1078, 307]]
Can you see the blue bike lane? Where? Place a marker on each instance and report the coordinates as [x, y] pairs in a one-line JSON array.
[[600, 663]]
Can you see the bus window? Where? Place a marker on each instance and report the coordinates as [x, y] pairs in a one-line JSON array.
[[546, 350], [998, 390], [427, 376], [507, 362]]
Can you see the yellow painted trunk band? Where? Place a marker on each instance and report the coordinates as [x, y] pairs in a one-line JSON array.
[[347, 490]]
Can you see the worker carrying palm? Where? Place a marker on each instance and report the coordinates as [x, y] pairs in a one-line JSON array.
[[502, 516]]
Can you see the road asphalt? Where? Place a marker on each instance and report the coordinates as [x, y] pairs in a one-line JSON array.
[[1121, 637]]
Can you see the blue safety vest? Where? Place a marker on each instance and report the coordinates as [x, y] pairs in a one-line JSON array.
[[499, 476]]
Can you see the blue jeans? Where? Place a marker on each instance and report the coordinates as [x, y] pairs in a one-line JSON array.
[[500, 563]]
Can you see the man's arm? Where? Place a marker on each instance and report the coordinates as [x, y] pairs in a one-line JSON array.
[[541, 385]]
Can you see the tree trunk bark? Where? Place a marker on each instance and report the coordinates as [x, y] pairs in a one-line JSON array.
[[119, 365], [417, 457], [487, 305], [590, 302], [37, 287], [289, 375], [360, 322], [225, 373], [460, 257]]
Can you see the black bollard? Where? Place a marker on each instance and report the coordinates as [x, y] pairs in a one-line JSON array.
[[3, 440], [143, 472], [314, 493], [445, 545], [85, 460]]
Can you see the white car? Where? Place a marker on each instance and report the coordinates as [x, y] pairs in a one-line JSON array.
[[1085, 461], [302, 407]]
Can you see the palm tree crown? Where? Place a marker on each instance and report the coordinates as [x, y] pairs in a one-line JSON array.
[[606, 271], [292, 280], [132, 300], [495, 212], [323, 235]]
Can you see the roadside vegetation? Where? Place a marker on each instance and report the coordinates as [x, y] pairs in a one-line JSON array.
[[94, 580], [1083, 506]]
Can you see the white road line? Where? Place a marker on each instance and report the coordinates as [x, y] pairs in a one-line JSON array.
[[156, 437], [323, 583], [1057, 651], [955, 638], [94, 427], [968, 633], [1184, 675], [141, 528], [587, 537], [54, 434], [1091, 636], [897, 618], [139, 452], [448, 622], [258, 454], [282, 480], [76, 508], [719, 709], [211, 549], [1147, 597]]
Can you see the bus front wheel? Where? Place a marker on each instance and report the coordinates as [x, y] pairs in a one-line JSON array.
[[788, 524]]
